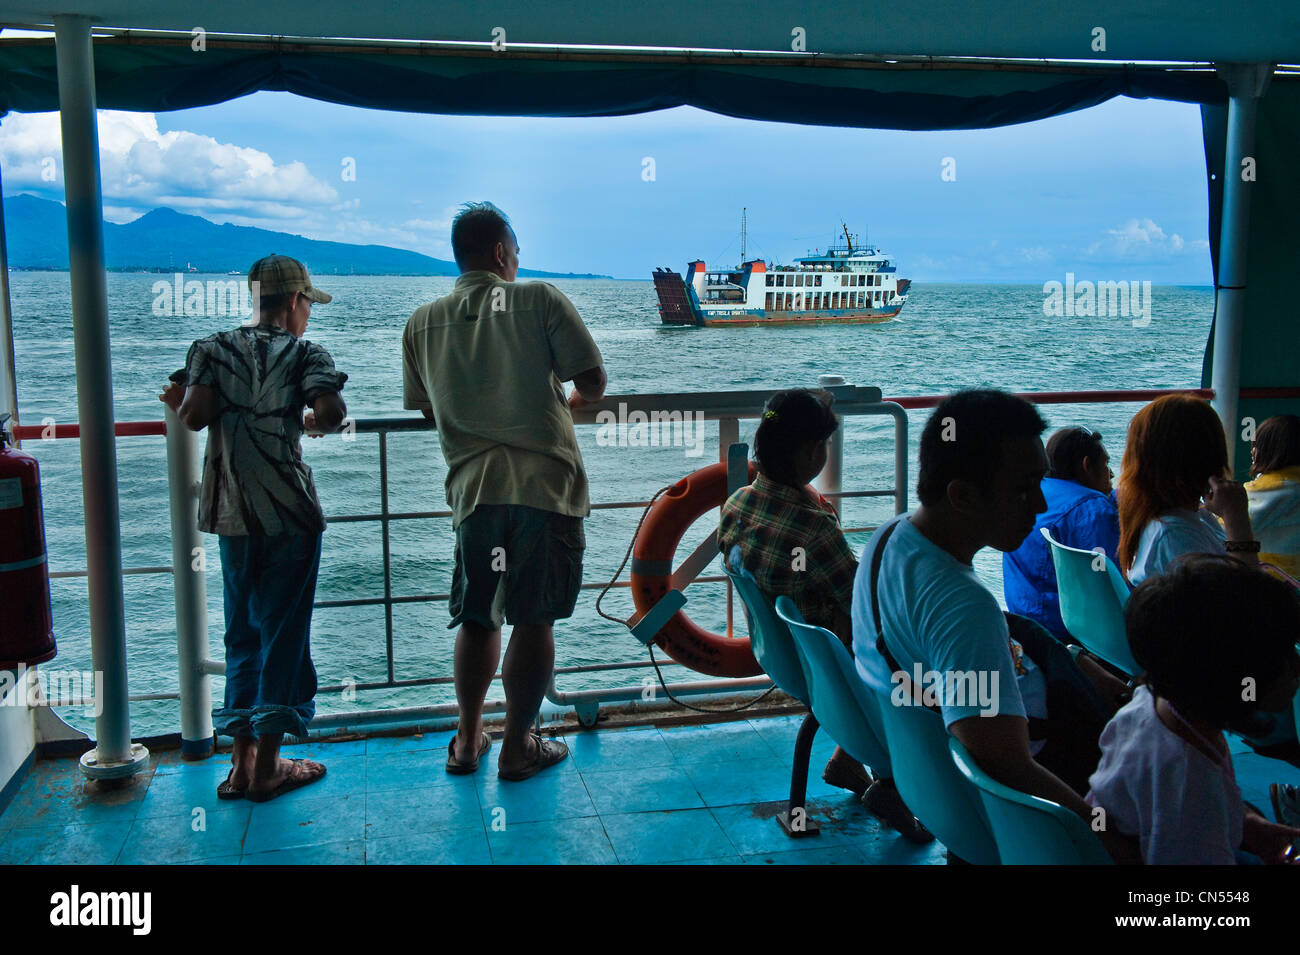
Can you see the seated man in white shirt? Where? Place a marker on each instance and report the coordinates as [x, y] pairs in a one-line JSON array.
[[982, 465]]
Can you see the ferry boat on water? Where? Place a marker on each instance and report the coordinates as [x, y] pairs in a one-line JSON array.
[[848, 284]]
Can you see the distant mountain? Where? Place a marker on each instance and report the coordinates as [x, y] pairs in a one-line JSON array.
[[168, 241]]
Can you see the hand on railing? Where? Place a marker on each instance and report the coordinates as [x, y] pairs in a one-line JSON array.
[[309, 425], [172, 395]]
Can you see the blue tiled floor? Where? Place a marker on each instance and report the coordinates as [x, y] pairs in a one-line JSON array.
[[684, 795]]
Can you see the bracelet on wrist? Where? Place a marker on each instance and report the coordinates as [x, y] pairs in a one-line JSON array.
[[1242, 547]]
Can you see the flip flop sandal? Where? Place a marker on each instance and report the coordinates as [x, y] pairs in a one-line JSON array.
[[291, 782], [549, 752], [456, 767], [227, 791]]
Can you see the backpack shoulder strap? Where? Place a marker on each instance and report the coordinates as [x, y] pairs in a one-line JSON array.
[[914, 692], [875, 596]]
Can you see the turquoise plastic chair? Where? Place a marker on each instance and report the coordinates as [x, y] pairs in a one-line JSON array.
[[929, 783], [839, 699], [769, 638], [1030, 830], [1092, 603], [774, 649]]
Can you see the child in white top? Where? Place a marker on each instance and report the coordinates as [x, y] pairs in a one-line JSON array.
[[1166, 775]]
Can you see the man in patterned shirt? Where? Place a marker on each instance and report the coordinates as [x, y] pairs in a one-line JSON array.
[[249, 388]]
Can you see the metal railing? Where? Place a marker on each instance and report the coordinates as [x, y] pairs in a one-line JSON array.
[[727, 408], [195, 665]]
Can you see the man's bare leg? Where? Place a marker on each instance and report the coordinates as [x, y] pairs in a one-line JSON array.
[[242, 759], [477, 651], [526, 672], [269, 770]]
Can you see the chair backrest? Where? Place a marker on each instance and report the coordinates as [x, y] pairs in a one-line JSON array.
[[1030, 830], [842, 703], [930, 784], [1093, 594], [769, 638]]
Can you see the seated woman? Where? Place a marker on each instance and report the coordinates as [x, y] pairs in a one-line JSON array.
[[790, 540], [1176, 458], [1080, 513], [1274, 495], [1166, 775]]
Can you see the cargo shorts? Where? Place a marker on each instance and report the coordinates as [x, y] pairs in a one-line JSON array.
[[517, 564]]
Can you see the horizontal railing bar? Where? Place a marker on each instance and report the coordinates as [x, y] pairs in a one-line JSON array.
[[587, 414], [434, 598], [1096, 397], [125, 570], [425, 515]]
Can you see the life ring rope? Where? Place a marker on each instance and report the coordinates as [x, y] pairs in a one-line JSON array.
[[659, 673], [652, 550]]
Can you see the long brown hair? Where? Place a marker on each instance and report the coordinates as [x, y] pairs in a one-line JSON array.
[[1175, 445]]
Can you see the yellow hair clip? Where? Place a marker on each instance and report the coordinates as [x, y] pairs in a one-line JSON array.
[[769, 415]]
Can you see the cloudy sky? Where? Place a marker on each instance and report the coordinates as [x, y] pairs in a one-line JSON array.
[[1112, 193]]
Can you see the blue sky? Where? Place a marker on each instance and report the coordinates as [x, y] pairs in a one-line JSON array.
[[1116, 192]]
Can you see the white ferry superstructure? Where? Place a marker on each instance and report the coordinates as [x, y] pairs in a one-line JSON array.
[[847, 284]]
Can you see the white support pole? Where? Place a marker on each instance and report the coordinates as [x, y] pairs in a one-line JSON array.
[[8, 372], [190, 589], [114, 756], [1246, 84], [831, 480]]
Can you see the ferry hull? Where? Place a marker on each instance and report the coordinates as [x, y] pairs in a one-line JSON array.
[[678, 305], [832, 317]]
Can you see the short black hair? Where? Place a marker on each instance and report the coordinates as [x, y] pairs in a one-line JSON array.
[[1066, 450], [790, 420], [1205, 626], [965, 439], [475, 231], [274, 304]]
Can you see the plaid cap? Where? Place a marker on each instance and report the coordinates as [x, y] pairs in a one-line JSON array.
[[279, 275]]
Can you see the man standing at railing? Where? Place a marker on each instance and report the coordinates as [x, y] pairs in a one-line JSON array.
[[249, 387], [485, 364]]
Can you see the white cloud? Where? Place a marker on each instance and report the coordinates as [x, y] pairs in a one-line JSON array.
[[1035, 255], [142, 168], [1141, 240]]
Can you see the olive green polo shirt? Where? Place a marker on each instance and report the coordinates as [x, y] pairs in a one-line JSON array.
[[488, 360]]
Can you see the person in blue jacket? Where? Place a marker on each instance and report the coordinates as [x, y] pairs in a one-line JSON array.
[[1080, 513]]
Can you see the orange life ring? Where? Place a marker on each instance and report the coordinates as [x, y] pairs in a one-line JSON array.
[[652, 568]]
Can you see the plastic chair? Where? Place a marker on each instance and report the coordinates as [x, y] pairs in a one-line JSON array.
[[932, 787], [773, 647], [840, 700], [1030, 830], [1092, 603]]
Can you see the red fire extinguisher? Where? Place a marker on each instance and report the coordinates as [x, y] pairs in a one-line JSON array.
[[26, 627]]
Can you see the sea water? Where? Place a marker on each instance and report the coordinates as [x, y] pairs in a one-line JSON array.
[[948, 337]]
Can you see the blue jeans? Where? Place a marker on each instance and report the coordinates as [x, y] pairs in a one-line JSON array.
[[270, 585]]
